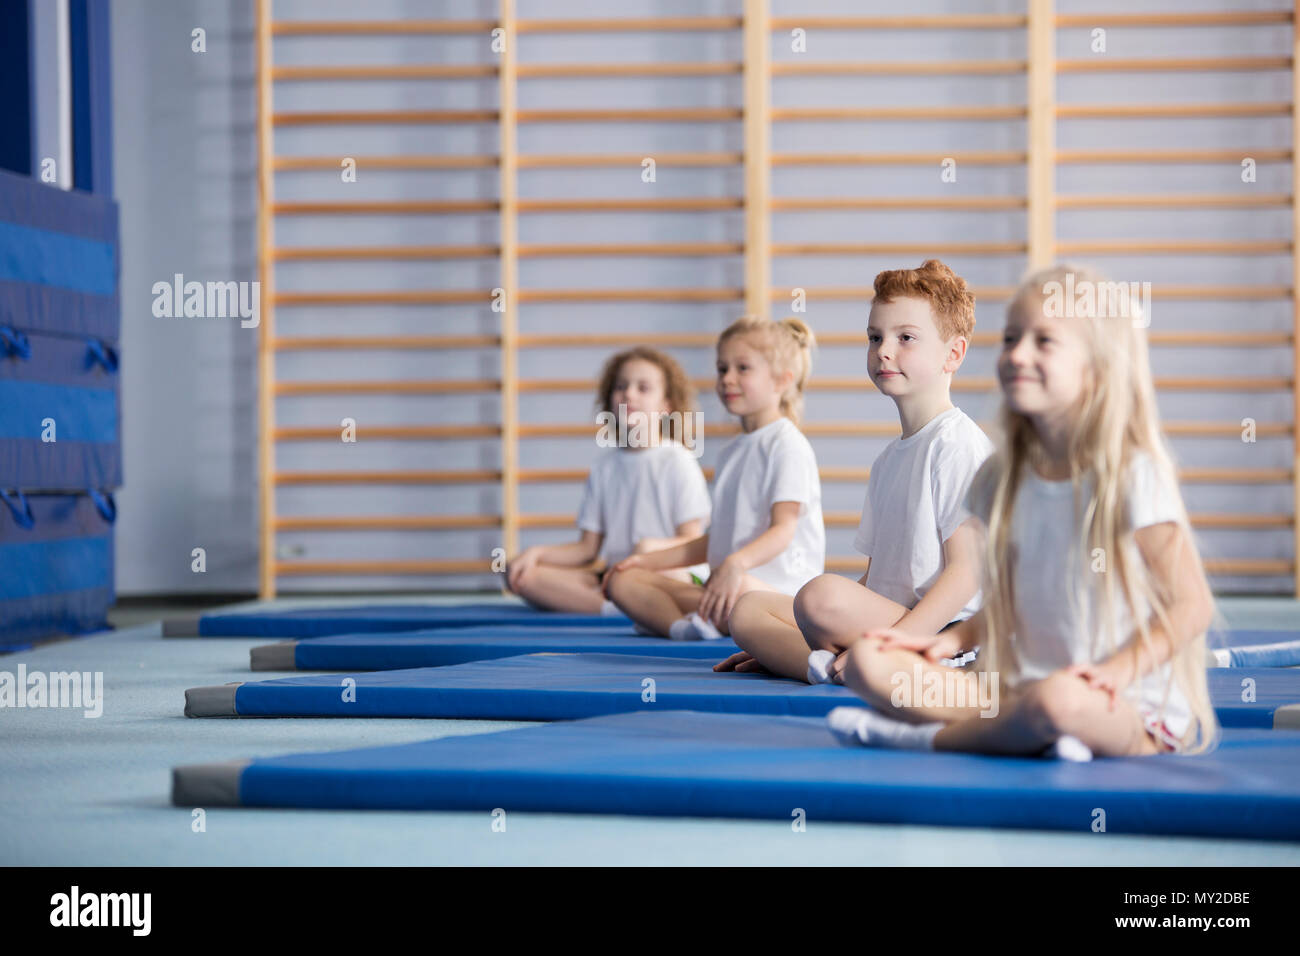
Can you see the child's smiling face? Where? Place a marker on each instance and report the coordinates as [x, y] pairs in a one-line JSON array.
[[746, 381], [905, 352], [1043, 368]]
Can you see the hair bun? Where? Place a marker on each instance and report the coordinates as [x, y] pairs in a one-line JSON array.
[[799, 331]]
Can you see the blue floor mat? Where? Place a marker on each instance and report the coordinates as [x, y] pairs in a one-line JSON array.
[[438, 648], [573, 686], [675, 763], [1253, 648], [319, 622]]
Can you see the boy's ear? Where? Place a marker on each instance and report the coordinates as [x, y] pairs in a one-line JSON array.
[[956, 353]]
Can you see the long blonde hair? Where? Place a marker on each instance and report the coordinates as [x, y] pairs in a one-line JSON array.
[[787, 345], [1117, 420]]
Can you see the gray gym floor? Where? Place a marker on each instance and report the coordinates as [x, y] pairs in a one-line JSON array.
[[96, 792]]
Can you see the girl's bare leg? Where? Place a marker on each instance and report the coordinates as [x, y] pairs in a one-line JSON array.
[[894, 681], [1046, 710], [833, 612], [762, 623], [554, 588]]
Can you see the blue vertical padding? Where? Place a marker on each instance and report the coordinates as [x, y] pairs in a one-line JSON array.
[[15, 87], [60, 440], [92, 131]]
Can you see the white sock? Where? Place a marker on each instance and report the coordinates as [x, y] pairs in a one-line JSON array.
[[1069, 748], [682, 630], [610, 609], [819, 667], [704, 629], [857, 727]]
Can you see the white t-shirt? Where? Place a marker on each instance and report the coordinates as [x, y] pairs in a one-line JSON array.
[[916, 499], [755, 471], [639, 493], [1046, 533]]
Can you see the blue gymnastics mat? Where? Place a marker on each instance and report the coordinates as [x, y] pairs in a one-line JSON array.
[[573, 686], [374, 619], [1251, 648], [677, 763], [439, 648]]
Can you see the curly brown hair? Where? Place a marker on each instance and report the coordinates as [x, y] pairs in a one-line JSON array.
[[951, 301], [678, 391]]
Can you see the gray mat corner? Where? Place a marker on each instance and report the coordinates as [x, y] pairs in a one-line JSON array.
[[207, 784], [218, 701], [274, 657]]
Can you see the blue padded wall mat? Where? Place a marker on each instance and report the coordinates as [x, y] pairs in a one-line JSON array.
[[573, 686], [439, 648], [675, 763]]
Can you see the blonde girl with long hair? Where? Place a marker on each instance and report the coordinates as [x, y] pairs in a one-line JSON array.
[[1093, 632], [766, 530]]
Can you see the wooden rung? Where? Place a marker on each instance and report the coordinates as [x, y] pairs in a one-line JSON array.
[[632, 160], [388, 162], [383, 567], [395, 342], [465, 477], [411, 297], [1247, 522], [1205, 64], [629, 205], [1241, 567], [865, 294], [387, 388], [963, 113], [1208, 156], [982, 158], [399, 523], [1235, 476], [378, 27], [670, 115], [898, 248], [382, 117], [900, 68], [969, 384], [1226, 476], [832, 519], [630, 25], [1178, 247], [959, 203], [956, 21], [1178, 429], [411, 207], [630, 295], [1172, 200], [1221, 567], [620, 339], [407, 72], [588, 70], [1168, 110], [691, 249], [1189, 19], [391, 433], [383, 253]]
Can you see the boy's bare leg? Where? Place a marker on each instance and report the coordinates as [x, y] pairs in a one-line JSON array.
[[833, 612], [555, 588], [651, 599], [1045, 710], [762, 623]]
